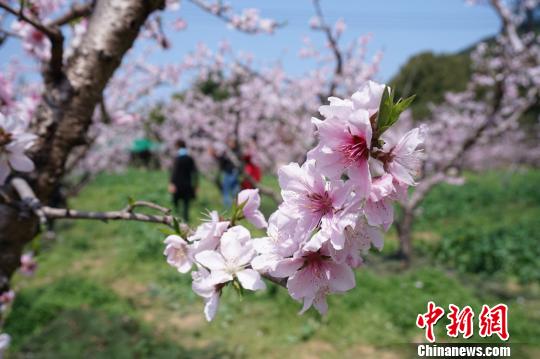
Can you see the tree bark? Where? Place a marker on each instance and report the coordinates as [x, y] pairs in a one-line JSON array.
[[65, 114], [404, 229]]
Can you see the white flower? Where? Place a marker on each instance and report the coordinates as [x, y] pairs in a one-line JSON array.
[[178, 253], [14, 141], [251, 200], [203, 287], [207, 235], [5, 339], [235, 254], [403, 160]]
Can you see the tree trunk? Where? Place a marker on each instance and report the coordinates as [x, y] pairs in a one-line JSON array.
[[404, 230], [65, 114]]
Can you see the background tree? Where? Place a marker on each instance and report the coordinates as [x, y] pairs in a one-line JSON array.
[[479, 127]]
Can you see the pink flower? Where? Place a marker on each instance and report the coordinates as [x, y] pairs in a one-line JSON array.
[[403, 160], [340, 26], [267, 25], [6, 298], [318, 277], [204, 287], [314, 22], [235, 254], [369, 97], [207, 235], [275, 252], [344, 143], [35, 42], [13, 144], [6, 91], [379, 209], [179, 24], [251, 200], [28, 264], [315, 202], [178, 253]]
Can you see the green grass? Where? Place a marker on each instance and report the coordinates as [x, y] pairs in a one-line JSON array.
[[104, 290]]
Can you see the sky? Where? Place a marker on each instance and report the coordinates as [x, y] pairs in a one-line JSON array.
[[400, 28]]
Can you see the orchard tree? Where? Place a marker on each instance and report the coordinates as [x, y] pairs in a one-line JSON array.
[[480, 127], [262, 109], [74, 79]]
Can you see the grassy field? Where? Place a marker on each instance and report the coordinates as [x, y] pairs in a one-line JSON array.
[[104, 290]]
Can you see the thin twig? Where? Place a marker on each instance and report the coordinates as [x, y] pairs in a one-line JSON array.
[[64, 213], [44, 212], [28, 196], [75, 12], [333, 43], [35, 23], [508, 24], [155, 206], [220, 14]]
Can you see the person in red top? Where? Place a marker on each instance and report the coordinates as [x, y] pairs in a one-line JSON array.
[[251, 170]]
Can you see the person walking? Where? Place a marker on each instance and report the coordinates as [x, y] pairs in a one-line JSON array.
[[252, 173], [229, 166], [184, 179]]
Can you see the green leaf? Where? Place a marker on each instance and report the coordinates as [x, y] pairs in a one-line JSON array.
[[242, 205], [131, 201], [176, 226], [385, 108], [389, 111], [238, 287]]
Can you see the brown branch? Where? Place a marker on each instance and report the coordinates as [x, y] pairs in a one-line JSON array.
[[63, 213], [282, 282], [26, 194], [220, 14], [155, 206], [333, 42], [105, 115], [75, 12], [53, 33], [508, 25], [45, 213], [22, 17]]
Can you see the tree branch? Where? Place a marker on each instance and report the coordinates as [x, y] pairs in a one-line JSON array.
[[63, 213], [22, 17], [508, 25], [75, 12], [220, 14], [45, 213], [53, 33], [333, 42], [155, 206]]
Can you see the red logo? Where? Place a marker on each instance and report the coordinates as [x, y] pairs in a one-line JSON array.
[[461, 321], [429, 319], [492, 320]]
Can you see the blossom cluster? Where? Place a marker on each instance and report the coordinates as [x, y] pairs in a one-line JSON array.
[[336, 206], [250, 21]]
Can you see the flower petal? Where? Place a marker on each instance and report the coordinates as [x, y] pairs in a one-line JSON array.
[[211, 260], [250, 279], [211, 306], [21, 162]]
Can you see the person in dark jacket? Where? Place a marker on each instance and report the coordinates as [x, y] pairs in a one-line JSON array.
[[184, 179]]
